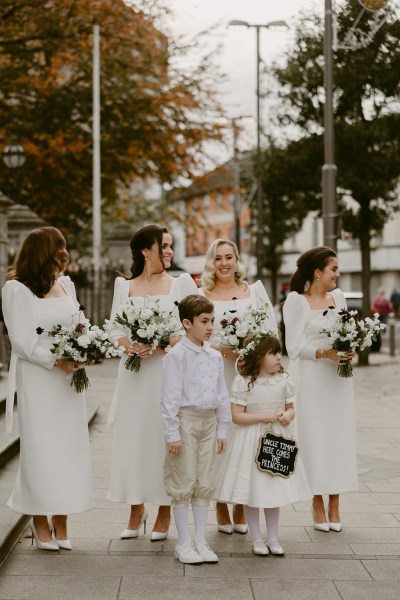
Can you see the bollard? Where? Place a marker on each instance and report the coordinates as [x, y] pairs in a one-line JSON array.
[[392, 337]]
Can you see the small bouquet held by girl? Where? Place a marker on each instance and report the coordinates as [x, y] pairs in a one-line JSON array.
[[347, 332], [232, 330], [82, 343], [148, 324]]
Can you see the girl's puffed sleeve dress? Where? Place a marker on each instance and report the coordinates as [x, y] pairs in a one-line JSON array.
[[325, 412], [54, 476]]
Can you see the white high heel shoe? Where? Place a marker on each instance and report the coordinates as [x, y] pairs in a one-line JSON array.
[[62, 544], [133, 533], [320, 526], [335, 526], [39, 544]]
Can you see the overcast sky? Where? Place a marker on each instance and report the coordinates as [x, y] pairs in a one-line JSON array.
[[237, 57]]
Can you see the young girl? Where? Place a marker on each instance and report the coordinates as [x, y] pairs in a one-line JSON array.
[[262, 400]]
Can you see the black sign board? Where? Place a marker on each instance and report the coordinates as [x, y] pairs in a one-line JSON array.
[[276, 455]]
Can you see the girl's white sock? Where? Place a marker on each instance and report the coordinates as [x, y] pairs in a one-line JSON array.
[[200, 521], [272, 521], [253, 520], [181, 516]]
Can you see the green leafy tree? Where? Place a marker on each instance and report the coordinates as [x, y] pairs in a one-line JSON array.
[[367, 119], [153, 112]]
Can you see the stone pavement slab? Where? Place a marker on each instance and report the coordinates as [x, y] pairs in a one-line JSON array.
[[360, 563]]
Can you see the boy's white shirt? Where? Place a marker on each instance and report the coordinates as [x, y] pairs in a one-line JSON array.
[[193, 376]]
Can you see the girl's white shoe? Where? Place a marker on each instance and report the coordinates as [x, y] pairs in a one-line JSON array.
[[260, 549], [335, 526], [275, 548]]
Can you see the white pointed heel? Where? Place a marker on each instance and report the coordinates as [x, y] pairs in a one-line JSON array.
[[335, 526], [240, 528], [133, 533], [228, 528], [39, 544], [62, 544], [320, 526]]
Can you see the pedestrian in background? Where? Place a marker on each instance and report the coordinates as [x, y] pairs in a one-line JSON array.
[[223, 282], [382, 306], [138, 439], [54, 478], [395, 300], [325, 412], [196, 412]]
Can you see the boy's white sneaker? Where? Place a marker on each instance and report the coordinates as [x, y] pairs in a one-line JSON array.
[[186, 554], [205, 552]]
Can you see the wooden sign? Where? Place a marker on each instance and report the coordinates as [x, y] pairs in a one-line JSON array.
[[276, 455]]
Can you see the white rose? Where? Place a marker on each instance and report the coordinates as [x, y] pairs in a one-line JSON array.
[[83, 341], [145, 313]]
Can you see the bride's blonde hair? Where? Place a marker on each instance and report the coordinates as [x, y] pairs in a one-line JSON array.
[[208, 277]]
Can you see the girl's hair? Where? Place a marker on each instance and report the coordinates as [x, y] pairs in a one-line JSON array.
[[40, 259], [208, 277], [143, 240], [307, 263], [251, 362]]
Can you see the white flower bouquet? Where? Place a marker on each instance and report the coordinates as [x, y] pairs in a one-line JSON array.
[[232, 329], [82, 343], [347, 331], [148, 324]]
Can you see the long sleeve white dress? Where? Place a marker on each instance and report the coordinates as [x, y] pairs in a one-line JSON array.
[[54, 475], [138, 441], [325, 410]]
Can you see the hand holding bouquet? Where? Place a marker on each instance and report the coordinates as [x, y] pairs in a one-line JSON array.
[[348, 332], [232, 330], [148, 324], [81, 343]]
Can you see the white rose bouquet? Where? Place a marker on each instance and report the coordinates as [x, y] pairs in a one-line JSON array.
[[82, 343], [347, 331], [148, 324], [232, 329]]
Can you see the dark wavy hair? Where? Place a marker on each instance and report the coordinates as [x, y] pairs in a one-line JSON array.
[[143, 240], [250, 366], [42, 256], [307, 263]]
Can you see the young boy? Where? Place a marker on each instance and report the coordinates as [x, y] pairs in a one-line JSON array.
[[196, 412]]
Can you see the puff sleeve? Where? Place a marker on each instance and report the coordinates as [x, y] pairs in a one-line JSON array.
[[239, 391], [20, 318], [290, 391], [295, 314], [185, 286], [261, 297], [119, 299]]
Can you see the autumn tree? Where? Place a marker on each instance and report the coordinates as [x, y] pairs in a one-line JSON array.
[[153, 112], [367, 118]]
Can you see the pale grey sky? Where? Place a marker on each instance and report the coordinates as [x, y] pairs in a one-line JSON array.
[[237, 57]]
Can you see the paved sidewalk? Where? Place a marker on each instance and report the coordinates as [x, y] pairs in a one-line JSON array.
[[361, 562]]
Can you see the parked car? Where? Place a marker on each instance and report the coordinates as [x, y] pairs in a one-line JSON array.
[[354, 302]]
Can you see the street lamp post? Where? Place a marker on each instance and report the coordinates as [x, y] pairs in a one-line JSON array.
[[273, 26], [329, 202], [14, 157]]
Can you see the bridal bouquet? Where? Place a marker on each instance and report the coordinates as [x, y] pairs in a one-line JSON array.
[[232, 330], [347, 332], [81, 343], [148, 324]]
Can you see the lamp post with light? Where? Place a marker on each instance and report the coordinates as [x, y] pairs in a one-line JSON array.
[[14, 157], [272, 26]]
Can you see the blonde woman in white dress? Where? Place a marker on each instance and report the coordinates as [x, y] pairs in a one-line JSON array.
[[223, 283], [54, 478], [325, 411], [138, 441]]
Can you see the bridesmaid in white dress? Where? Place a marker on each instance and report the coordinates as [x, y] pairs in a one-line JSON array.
[[54, 478], [223, 283], [138, 441], [326, 414]]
